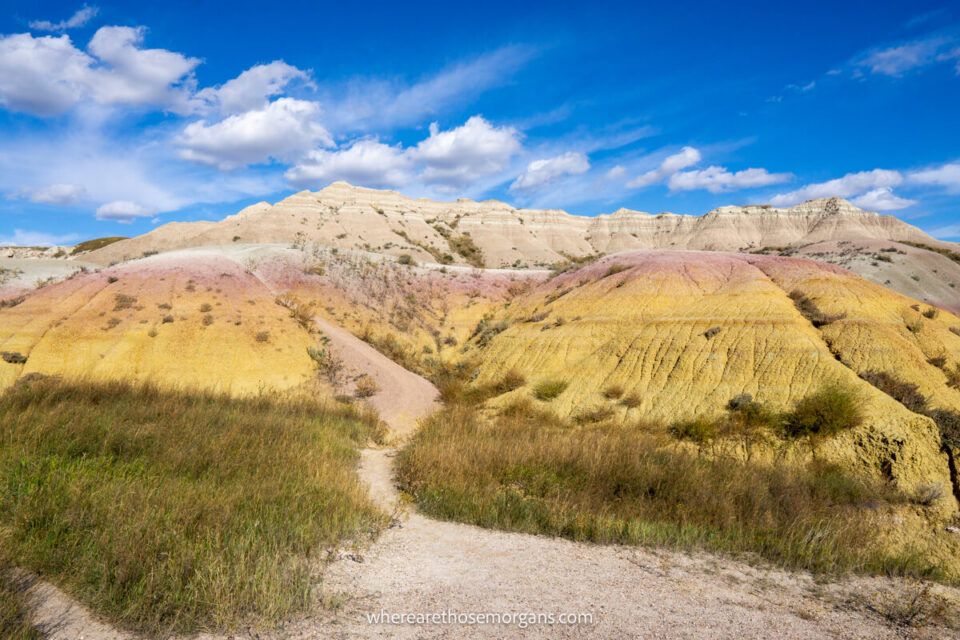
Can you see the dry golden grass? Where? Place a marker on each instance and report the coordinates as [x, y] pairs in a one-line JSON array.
[[171, 511], [527, 470]]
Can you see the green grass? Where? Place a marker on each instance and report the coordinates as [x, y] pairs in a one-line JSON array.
[[93, 245], [177, 512], [634, 484]]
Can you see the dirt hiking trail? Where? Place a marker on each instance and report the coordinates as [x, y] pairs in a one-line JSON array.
[[419, 565]]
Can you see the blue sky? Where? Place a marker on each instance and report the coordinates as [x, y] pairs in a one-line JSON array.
[[117, 117]]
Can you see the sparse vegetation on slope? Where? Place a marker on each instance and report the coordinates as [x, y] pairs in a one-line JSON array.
[[230, 501], [947, 253], [98, 243], [632, 484]]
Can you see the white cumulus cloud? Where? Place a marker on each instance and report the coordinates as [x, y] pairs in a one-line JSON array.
[[366, 162], [946, 176], [80, 18], [686, 157], [48, 75], [122, 211], [882, 199], [42, 76], [849, 186], [545, 171], [60, 193], [286, 130], [253, 88], [459, 156], [719, 180]]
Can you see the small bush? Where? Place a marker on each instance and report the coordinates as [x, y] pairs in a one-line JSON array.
[[613, 392], [167, 319], [938, 361], [931, 313], [207, 320], [511, 381], [631, 401], [486, 330], [13, 357], [112, 279], [809, 310], [122, 301], [262, 336], [328, 365], [903, 392], [953, 376], [549, 389], [538, 316], [365, 387], [955, 331], [614, 269], [927, 495], [914, 326], [698, 430], [206, 308], [406, 259], [949, 424], [464, 245], [593, 415], [831, 410], [711, 332]]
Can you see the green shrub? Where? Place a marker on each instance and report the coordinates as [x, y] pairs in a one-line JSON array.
[[549, 389], [699, 430], [832, 409]]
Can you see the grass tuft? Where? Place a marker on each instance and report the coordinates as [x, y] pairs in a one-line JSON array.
[[549, 389]]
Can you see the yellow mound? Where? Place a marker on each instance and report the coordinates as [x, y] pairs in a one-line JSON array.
[[204, 322], [681, 333]]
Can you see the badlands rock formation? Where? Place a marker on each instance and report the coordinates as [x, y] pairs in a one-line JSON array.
[[684, 332], [495, 234], [198, 320]]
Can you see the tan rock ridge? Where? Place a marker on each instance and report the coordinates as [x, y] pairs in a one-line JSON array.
[[346, 216], [495, 234]]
